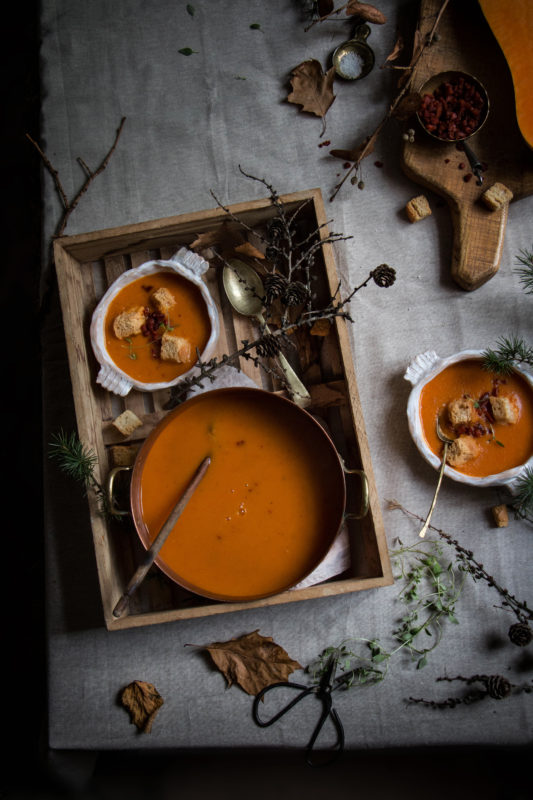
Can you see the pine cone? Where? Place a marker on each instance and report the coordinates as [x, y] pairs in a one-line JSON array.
[[269, 346], [275, 285], [520, 634], [275, 230], [295, 294], [384, 275], [498, 687]]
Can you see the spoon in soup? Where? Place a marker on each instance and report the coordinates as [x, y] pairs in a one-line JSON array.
[[244, 290], [447, 442]]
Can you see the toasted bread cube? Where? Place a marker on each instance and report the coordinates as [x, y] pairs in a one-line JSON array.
[[129, 322], [500, 515], [461, 411], [127, 422], [496, 196], [124, 455], [462, 450], [504, 410], [163, 300], [417, 208], [175, 348]]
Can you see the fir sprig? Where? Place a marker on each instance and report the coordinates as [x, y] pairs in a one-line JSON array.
[[525, 270], [509, 352], [78, 462], [523, 499]]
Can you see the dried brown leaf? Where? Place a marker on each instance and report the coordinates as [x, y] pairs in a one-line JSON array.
[[248, 249], [224, 237], [366, 12], [325, 7], [252, 661], [321, 327], [143, 701], [396, 50], [407, 106], [312, 88], [357, 154]]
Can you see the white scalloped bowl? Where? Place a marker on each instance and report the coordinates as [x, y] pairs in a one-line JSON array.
[[185, 263], [422, 369]]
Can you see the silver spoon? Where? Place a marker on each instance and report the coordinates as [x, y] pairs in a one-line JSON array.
[[245, 291], [447, 442]]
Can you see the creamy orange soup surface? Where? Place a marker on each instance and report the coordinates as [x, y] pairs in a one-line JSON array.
[[139, 355], [501, 446], [261, 518]]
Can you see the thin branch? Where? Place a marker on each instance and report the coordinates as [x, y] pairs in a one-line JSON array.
[[369, 142]]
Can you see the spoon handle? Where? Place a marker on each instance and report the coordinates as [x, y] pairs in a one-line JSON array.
[[441, 473], [298, 392]]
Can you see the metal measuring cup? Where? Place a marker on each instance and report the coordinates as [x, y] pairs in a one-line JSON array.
[[451, 76]]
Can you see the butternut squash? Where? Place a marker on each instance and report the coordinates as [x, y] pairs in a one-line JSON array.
[[512, 26]]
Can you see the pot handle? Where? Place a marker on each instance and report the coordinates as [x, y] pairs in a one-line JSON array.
[[365, 500], [115, 512]]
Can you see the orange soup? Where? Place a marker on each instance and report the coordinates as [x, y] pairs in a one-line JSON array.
[[261, 519], [492, 414], [139, 354]]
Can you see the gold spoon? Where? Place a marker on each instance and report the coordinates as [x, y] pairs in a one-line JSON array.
[[447, 441], [245, 291]]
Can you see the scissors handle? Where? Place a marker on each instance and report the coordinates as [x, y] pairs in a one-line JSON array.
[[327, 711], [304, 690]]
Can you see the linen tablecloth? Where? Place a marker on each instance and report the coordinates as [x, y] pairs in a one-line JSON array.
[[191, 121]]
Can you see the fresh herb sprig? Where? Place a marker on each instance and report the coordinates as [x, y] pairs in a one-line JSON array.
[[509, 352], [525, 270], [431, 587], [78, 462]]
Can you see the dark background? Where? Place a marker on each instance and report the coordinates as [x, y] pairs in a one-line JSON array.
[[28, 771]]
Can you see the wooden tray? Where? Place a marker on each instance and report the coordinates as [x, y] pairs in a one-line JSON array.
[[86, 264], [465, 43]]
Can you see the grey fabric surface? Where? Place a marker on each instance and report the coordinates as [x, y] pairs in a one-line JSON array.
[[190, 122]]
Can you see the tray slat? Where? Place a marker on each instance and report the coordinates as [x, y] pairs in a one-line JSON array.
[[86, 265]]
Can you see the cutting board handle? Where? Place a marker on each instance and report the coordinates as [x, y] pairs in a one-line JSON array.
[[478, 236]]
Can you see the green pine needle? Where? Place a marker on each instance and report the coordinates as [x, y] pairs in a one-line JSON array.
[[507, 353], [525, 270], [72, 457], [523, 503]]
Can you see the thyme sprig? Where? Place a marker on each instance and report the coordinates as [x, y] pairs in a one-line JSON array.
[[431, 587], [469, 564], [78, 462]]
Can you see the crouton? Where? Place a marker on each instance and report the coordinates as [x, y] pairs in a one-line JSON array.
[[496, 196], [175, 348], [123, 455], [500, 515], [462, 450], [417, 208], [129, 322], [127, 422], [504, 410], [163, 300], [461, 411]]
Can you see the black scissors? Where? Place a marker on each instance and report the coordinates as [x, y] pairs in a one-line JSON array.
[[323, 692]]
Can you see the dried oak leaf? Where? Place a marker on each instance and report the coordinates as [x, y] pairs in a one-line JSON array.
[[396, 50], [321, 327], [366, 12], [252, 661], [358, 153], [143, 701], [312, 88], [248, 249], [223, 237]]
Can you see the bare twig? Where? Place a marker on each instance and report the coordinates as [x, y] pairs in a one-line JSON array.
[[368, 145]]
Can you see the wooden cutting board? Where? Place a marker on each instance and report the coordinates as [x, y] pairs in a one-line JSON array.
[[465, 42]]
